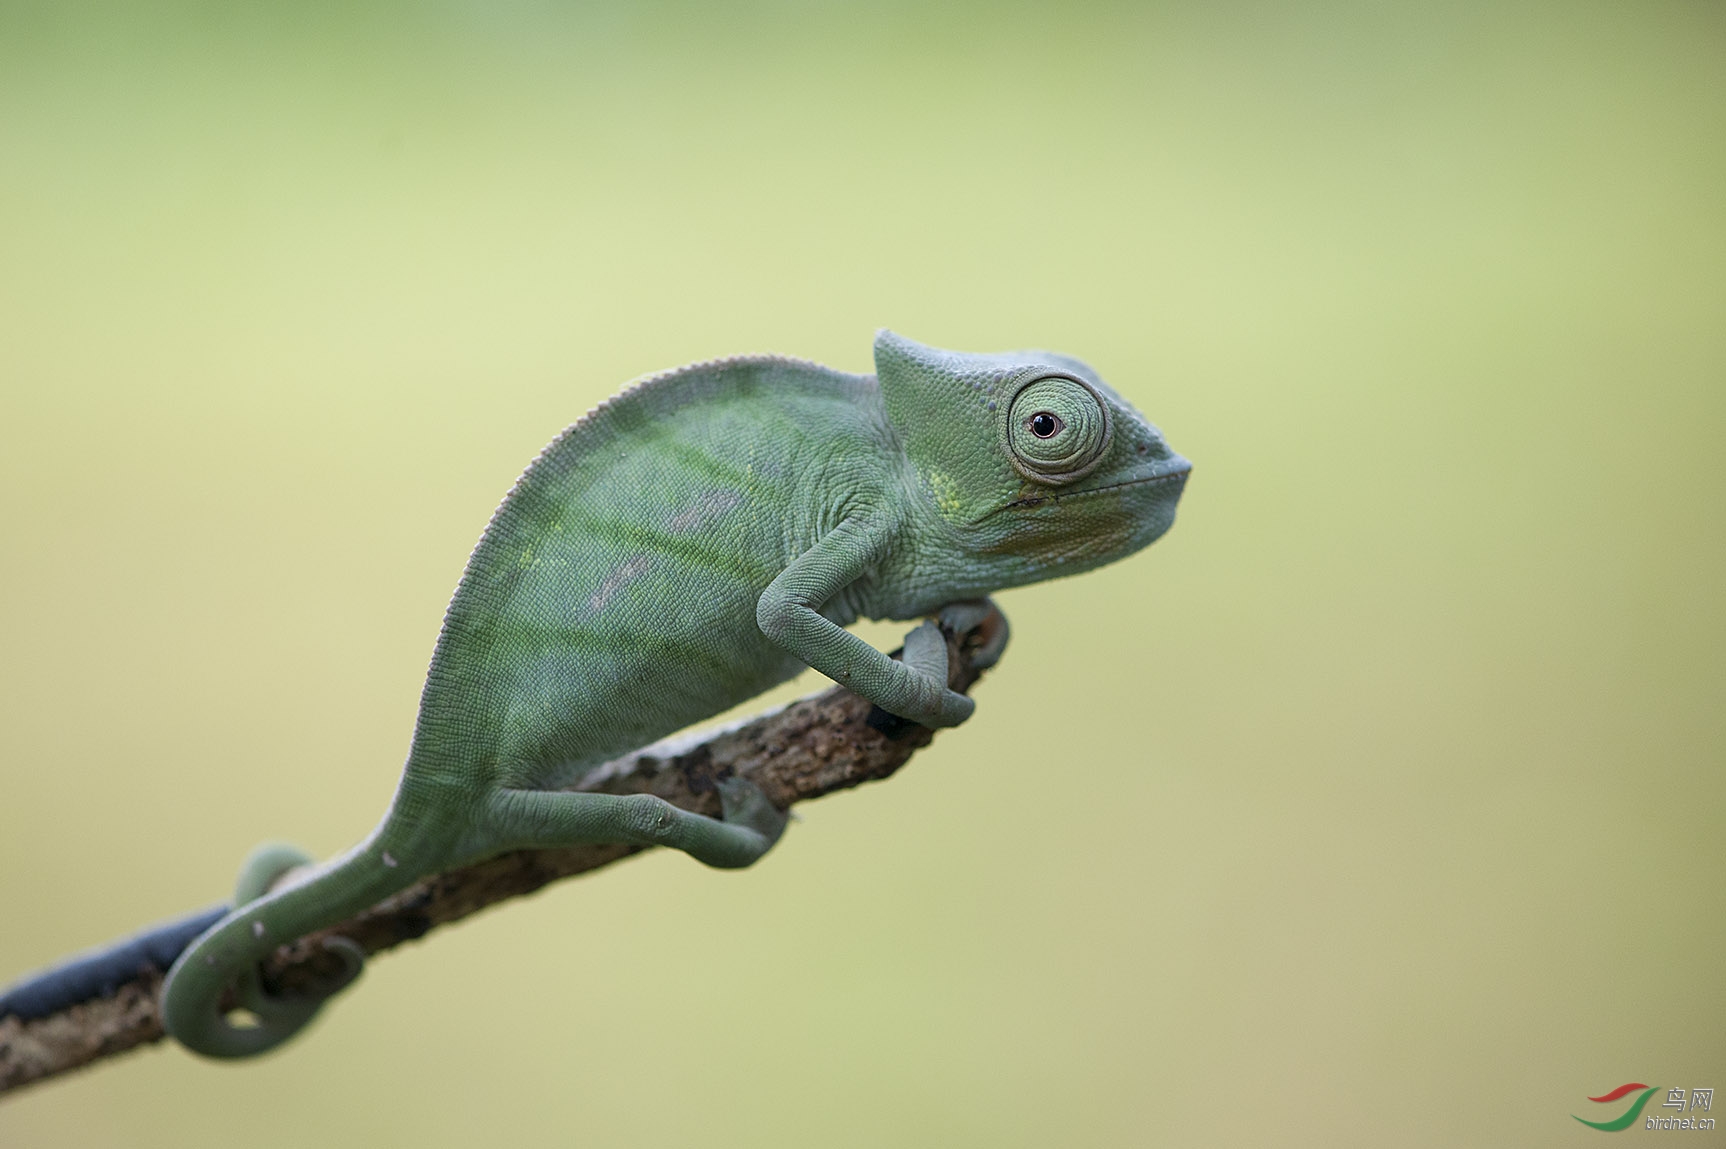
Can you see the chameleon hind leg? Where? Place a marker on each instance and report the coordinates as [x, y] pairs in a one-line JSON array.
[[551, 818], [262, 869]]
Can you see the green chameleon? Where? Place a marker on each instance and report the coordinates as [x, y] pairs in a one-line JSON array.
[[688, 544]]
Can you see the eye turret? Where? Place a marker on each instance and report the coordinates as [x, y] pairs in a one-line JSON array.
[[1057, 429]]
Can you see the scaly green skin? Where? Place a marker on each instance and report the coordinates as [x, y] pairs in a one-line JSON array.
[[689, 544]]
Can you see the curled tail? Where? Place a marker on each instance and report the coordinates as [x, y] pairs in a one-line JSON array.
[[226, 955]]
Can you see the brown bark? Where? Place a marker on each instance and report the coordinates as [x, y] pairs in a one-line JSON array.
[[813, 747]]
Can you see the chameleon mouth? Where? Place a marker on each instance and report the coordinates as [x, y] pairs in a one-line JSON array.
[[1165, 477], [1178, 475]]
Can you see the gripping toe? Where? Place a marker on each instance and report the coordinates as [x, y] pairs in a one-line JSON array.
[[746, 804], [982, 628]]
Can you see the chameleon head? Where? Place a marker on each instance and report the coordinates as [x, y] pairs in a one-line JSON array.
[[1035, 464]]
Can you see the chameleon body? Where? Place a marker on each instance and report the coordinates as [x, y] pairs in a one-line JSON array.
[[690, 543]]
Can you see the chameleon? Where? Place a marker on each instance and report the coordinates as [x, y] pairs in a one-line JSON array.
[[691, 542]]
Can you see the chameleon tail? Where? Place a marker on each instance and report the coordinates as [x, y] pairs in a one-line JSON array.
[[226, 955]]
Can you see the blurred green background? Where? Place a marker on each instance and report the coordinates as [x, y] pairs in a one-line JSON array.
[[1379, 803]]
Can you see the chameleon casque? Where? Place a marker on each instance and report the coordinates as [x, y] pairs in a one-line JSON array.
[[686, 545]]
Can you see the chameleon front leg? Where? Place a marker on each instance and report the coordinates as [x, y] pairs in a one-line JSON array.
[[787, 612]]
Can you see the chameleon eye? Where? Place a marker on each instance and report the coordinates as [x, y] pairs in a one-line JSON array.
[[1045, 424], [1057, 428]]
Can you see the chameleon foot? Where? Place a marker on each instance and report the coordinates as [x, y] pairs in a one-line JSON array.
[[926, 653], [745, 804], [982, 629]]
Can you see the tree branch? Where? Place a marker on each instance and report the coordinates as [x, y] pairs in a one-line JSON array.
[[832, 741]]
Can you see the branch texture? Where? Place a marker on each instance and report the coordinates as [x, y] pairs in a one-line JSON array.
[[832, 741]]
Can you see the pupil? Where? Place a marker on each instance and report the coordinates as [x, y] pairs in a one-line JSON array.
[[1044, 424]]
